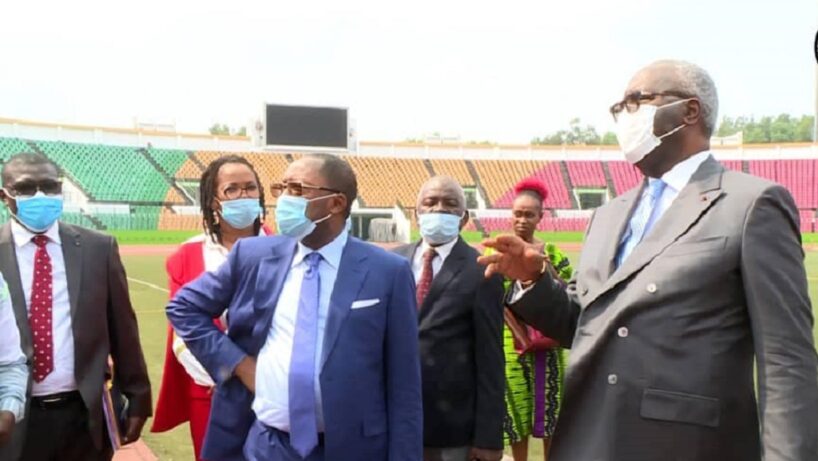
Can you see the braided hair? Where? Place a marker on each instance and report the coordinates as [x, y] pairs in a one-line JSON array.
[[207, 193]]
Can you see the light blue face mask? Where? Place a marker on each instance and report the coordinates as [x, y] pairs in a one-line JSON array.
[[439, 228], [241, 213], [38, 212], [291, 216]]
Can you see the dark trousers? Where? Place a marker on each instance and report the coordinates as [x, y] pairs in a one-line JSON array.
[[61, 433], [269, 444]]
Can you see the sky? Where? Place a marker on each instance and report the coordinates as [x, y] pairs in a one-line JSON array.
[[499, 71]]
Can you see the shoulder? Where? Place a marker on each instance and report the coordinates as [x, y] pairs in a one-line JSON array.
[[736, 182], [463, 246], [187, 249], [249, 251], [376, 254], [85, 234]]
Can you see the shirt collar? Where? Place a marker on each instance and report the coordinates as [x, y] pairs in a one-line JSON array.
[[331, 252], [442, 250], [212, 245], [22, 235], [678, 176]]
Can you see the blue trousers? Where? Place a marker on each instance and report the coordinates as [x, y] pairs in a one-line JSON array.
[[269, 444]]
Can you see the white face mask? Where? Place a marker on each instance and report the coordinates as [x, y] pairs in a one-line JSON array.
[[634, 131]]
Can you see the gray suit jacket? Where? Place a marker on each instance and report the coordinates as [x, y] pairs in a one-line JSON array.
[[102, 323], [663, 348]]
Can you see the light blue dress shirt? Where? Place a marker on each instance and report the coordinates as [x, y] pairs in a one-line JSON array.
[[271, 403], [675, 180], [13, 369]]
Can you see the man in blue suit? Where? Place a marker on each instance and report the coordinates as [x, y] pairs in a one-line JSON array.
[[320, 361]]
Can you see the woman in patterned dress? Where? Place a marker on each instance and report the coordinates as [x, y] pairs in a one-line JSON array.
[[534, 363]]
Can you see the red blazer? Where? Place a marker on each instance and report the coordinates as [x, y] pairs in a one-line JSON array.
[[178, 388], [183, 266]]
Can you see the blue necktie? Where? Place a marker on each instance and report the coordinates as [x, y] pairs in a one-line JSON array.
[[641, 220], [303, 422]]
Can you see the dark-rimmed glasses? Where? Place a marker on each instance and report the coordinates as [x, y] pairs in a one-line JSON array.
[[234, 191], [27, 188], [633, 100], [296, 188]]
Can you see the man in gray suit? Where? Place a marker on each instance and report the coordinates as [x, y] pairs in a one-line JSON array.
[[682, 283]]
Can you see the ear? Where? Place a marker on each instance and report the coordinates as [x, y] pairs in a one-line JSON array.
[[693, 112], [464, 220], [339, 204]]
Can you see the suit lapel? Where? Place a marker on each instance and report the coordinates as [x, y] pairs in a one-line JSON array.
[[451, 267], [11, 273], [620, 214], [72, 255], [351, 275], [703, 190], [272, 272]]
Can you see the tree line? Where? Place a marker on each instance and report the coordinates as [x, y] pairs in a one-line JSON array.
[[768, 129]]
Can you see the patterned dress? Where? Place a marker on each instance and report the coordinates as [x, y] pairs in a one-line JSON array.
[[534, 379]]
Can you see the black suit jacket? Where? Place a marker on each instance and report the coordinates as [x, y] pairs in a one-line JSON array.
[[461, 353], [102, 322]]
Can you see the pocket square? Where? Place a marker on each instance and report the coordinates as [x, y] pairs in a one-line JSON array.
[[365, 303]]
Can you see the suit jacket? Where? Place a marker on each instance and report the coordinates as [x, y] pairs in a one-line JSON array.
[[177, 387], [461, 350], [103, 323], [661, 365], [370, 376]]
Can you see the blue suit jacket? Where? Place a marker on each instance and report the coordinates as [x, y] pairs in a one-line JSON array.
[[370, 375]]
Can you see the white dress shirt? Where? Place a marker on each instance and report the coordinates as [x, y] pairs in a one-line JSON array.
[[62, 378], [443, 252], [271, 403]]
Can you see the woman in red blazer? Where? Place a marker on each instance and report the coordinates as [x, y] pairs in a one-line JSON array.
[[232, 202]]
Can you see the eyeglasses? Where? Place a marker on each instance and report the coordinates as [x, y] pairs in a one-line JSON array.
[[233, 191], [30, 188], [296, 188], [633, 100]]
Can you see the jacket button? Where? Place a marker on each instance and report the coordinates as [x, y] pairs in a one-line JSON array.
[[622, 332], [612, 379], [651, 288]]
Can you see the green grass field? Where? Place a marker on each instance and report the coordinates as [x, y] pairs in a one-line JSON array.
[[149, 304]]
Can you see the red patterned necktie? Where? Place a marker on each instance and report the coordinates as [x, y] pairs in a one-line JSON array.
[[39, 316], [426, 276]]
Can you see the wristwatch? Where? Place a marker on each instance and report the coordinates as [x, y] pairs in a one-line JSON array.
[[544, 268]]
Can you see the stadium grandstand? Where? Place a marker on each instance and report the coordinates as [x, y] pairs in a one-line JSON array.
[[119, 179]]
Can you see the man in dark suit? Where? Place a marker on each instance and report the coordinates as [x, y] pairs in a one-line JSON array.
[[320, 361], [70, 297], [684, 284], [461, 329]]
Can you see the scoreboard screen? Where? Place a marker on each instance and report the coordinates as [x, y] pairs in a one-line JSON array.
[[306, 126]]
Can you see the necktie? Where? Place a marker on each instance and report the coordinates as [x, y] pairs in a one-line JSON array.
[[39, 315], [426, 276], [303, 422], [642, 219]]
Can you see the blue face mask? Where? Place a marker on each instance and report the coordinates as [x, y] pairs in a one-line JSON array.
[[439, 228], [291, 216], [241, 213], [38, 212]]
